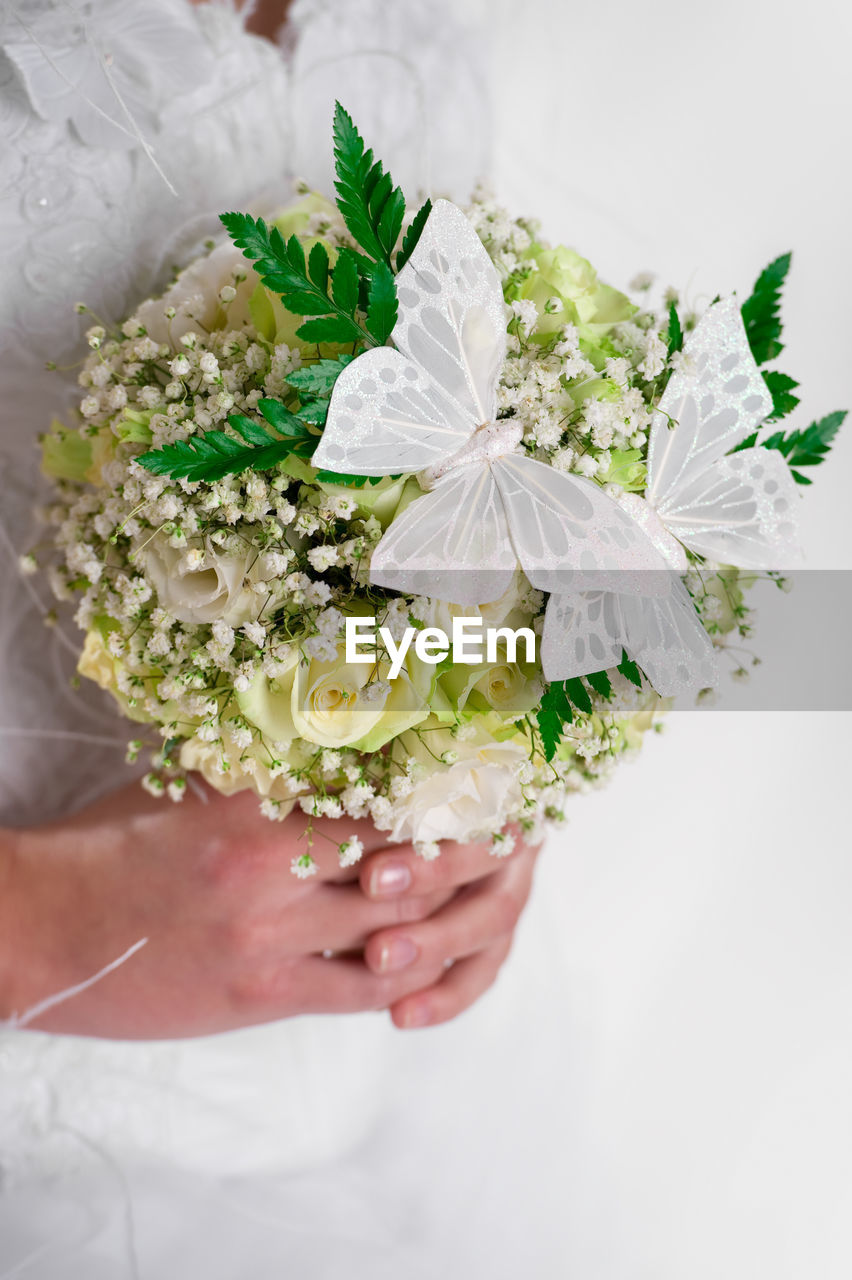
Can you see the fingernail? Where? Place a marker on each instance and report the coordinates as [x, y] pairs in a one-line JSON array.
[[396, 953], [389, 879], [416, 1015]]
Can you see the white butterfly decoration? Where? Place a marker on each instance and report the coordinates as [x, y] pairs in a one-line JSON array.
[[429, 406], [734, 509]]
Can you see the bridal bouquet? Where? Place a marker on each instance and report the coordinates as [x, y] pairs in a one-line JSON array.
[[412, 517]]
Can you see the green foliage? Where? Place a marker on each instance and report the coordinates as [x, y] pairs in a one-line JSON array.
[[318, 379], [372, 207], [303, 286], [553, 714], [353, 301], [675, 331], [761, 311], [382, 306], [806, 448], [356, 482], [629, 670], [215, 454], [577, 694], [780, 388], [561, 699], [600, 682], [412, 235]]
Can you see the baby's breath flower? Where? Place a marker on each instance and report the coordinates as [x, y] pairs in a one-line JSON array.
[[304, 866], [350, 851]]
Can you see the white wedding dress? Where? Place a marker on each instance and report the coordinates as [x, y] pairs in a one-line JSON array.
[[315, 1144]]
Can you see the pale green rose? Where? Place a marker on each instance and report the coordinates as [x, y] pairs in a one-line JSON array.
[[98, 664], [593, 389], [509, 689], [292, 220], [627, 469], [104, 445], [268, 702], [338, 704], [65, 454], [333, 704], [587, 303], [385, 500], [134, 427]]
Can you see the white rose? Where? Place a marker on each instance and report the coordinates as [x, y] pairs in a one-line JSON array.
[[201, 588], [195, 295], [472, 798], [507, 610]]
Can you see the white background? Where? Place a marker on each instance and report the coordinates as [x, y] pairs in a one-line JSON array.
[[707, 895]]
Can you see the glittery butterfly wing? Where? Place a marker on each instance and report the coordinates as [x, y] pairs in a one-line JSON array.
[[388, 415], [708, 407], [452, 544], [740, 508], [568, 535], [583, 631], [452, 318], [663, 634], [742, 511], [667, 639], [407, 409]]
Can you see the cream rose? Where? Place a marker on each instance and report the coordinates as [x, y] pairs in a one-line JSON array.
[[228, 769], [473, 798], [97, 663], [201, 584]]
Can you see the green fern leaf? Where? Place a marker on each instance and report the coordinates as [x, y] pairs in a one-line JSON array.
[[382, 306], [781, 389], [553, 714], [344, 282], [600, 682], [629, 670], [372, 207], [413, 234], [333, 330], [318, 379], [761, 311]]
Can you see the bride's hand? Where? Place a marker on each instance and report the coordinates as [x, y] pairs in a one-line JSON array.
[[233, 937]]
